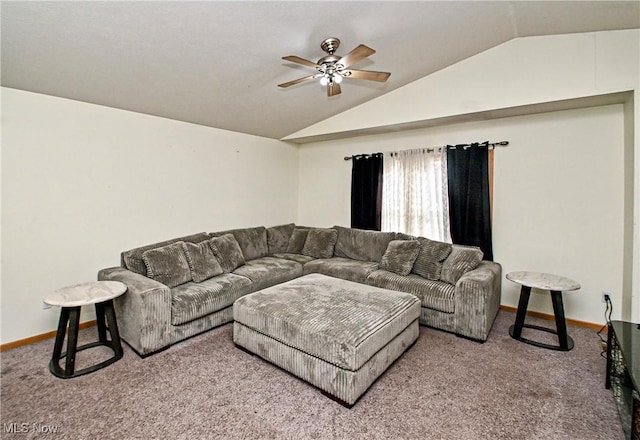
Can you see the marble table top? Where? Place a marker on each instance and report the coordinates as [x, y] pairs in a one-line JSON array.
[[544, 281], [85, 293]]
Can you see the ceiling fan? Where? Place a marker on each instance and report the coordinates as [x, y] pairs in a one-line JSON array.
[[333, 68]]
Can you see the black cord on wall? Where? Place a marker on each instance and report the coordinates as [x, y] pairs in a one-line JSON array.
[[607, 317]]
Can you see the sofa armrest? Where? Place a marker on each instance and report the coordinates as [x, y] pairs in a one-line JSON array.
[[477, 300], [143, 312]]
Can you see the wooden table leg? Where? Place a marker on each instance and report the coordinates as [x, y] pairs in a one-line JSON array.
[[100, 323], [110, 315], [72, 340], [60, 335], [523, 303], [561, 324]]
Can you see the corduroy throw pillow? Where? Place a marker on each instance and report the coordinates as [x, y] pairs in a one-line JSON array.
[[167, 264], [320, 243], [203, 264], [228, 252], [400, 256], [461, 260], [297, 240], [430, 258]]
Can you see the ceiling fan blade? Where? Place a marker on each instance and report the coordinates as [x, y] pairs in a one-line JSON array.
[[295, 59], [368, 74], [299, 80], [333, 89], [357, 54]]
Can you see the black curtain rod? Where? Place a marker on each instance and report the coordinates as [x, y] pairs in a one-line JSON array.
[[453, 147], [358, 156]]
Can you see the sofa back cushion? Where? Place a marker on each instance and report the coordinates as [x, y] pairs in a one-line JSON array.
[[252, 241], [320, 243], [132, 259], [400, 256], [362, 245], [461, 260], [167, 264], [278, 238], [431, 258], [203, 264], [297, 240], [228, 252]]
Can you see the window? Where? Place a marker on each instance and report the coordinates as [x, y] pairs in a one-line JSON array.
[[414, 193]]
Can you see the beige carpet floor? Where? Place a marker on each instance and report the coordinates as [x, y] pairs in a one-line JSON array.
[[444, 387]]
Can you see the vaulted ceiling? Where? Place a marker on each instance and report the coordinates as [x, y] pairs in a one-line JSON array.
[[218, 63]]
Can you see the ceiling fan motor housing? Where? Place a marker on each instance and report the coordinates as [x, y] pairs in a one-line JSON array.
[[329, 59]]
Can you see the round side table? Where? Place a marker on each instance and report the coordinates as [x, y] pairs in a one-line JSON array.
[[555, 284], [71, 299]]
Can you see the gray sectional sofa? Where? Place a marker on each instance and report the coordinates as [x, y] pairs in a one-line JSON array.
[[184, 286]]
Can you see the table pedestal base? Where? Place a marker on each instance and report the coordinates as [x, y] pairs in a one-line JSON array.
[[569, 345], [71, 316], [565, 342]]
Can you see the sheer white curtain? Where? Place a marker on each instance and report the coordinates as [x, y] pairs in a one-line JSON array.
[[414, 193]]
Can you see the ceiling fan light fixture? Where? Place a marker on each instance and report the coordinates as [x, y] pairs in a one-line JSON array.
[[324, 80], [337, 78]]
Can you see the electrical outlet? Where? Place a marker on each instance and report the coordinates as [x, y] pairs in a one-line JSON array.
[[606, 296], [45, 306]]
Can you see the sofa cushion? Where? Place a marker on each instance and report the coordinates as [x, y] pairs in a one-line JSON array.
[[203, 264], [435, 295], [132, 259], [430, 258], [400, 256], [302, 259], [357, 320], [320, 243], [344, 268], [461, 260], [167, 264], [193, 300], [362, 245], [228, 252], [252, 241], [278, 237], [267, 271], [297, 240]]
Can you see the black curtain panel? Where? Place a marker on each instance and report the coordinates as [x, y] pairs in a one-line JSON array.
[[469, 205], [366, 192]]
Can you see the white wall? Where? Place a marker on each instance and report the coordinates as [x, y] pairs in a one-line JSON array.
[[81, 183], [518, 75], [558, 195], [520, 72]]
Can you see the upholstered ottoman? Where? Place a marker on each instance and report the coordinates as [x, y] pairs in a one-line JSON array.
[[337, 335]]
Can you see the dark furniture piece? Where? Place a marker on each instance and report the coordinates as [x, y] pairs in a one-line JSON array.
[[623, 372], [71, 299], [555, 284]]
